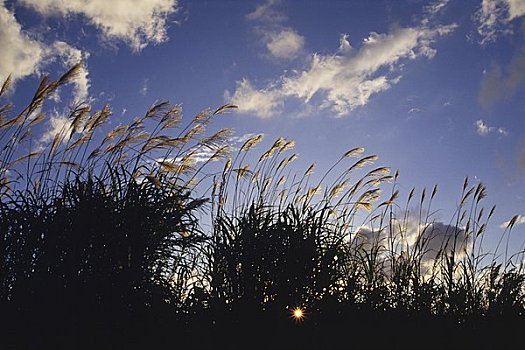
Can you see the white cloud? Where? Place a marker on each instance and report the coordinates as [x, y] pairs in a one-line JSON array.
[[262, 103], [71, 56], [345, 80], [516, 8], [21, 55], [57, 125], [483, 129], [203, 154], [494, 17], [241, 139], [198, 156], [284, 44], [489, 17], [519, 221], [344, 43], [138, 23], [427, 239]]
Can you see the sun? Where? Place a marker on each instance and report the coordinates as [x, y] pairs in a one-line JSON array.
[[298, 313]]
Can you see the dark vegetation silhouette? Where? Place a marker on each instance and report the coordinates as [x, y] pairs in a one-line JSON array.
[[104, 243]]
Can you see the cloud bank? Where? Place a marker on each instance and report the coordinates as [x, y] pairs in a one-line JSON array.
[[427, 240]]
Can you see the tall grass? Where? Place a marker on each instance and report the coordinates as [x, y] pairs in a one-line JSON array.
[[96, 226], [106, 228], [280, 240]]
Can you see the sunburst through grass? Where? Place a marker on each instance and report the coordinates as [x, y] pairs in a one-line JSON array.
[[298, 314]]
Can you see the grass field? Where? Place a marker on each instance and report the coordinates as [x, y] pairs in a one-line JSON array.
[[102, 243]]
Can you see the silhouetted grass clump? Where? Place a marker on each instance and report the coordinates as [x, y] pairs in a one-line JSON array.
[[103, 242], [98, 232]]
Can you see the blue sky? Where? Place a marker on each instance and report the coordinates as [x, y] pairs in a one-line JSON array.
[[435, 88]]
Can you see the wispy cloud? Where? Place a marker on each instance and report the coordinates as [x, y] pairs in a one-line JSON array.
[[267, 12], [483, 129], [240, 139], [70, 56], [436, 7], [206, 153], [57, 125], [494, 17], [280, 41], [520, 220], [344, 80], [138, 23], [145, 87]]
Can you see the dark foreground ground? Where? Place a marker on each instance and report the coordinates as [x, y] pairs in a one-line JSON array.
[[350, 329]]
